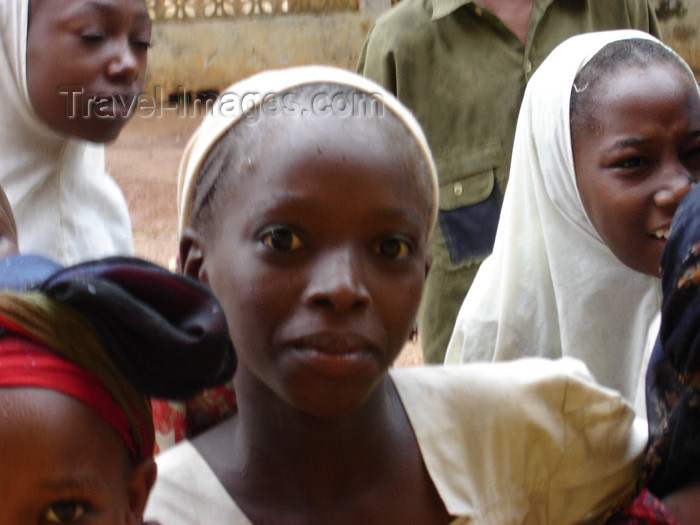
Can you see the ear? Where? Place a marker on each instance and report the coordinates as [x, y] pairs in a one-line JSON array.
[[192, 255], [138, 488]]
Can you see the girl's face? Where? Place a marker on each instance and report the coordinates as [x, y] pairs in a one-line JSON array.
[[86, 63], [60, 462], [638, 160], [319, 261]]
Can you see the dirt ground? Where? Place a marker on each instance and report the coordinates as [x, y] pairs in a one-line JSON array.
[[144, 161]]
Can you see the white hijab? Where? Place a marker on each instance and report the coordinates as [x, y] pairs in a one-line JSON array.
[[66, 206], [552, 287]]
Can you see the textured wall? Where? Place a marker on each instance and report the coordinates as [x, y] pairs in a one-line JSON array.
[[212, 53], [209, 54], [680, 28]]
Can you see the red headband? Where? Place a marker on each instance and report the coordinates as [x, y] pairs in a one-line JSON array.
[[24, 362]]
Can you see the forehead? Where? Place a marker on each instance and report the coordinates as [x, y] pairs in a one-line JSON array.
[[322, 155], [313, 139], [58, 10], [57, 424], [378, 144], [645, 89]]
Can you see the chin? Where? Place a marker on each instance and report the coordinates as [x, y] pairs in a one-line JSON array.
[[329, 406]]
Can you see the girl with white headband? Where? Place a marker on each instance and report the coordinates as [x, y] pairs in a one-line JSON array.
[[306, 203]]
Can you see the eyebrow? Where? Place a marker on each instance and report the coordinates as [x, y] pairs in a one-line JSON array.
[[626, 143], [71, 483], [638, 141]]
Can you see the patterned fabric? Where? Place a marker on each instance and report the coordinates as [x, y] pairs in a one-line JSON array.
[[645, 510], [175, 421], [674, 404]]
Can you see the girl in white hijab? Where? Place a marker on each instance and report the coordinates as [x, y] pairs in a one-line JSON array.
[[55, 57], [561, 280]]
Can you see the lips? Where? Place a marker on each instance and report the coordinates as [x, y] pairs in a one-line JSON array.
[[334, 343], [335, 354], [113, 104]]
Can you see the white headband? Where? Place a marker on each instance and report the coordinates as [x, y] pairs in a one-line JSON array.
[[243, 97]]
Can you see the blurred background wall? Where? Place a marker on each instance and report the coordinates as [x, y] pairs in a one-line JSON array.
[[205, 45]]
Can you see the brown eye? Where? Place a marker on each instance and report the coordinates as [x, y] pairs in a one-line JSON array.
[[64, 512], [282, 240], [395, 249], [633, 162]]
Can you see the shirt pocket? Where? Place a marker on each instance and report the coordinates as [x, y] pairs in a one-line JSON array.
[[470, 203]]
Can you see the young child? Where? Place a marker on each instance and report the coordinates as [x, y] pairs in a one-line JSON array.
[[69, 70], [306, 202], [8, 228], [606, 148], [78, 357], [673, 382]]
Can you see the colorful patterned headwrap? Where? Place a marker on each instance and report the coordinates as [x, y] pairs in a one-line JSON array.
[[674, 404], [127, 328]]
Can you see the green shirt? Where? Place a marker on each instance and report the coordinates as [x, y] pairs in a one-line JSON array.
[[463, 74]]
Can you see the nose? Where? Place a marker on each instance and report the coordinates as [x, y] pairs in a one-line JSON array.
[[337, 283], [123, 65], [675, 189]]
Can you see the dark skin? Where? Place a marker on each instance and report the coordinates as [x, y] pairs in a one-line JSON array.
[[320, 294], [515, 14], [684, 505], [342, 473]]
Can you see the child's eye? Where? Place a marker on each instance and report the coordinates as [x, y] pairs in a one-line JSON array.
[[93, 38], [64, 512], [282, 239], [142, 45], [692, 159], [393, 248], [632, 162]]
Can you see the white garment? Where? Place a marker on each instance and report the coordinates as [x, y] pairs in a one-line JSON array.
[[527, 442], [66, 206], [552, 287]]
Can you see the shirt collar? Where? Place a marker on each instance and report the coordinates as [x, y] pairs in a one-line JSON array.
[[442, 8]]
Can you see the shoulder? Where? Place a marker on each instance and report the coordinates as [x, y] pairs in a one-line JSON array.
[[534, 395], [408, 22], [187, 492], [522, 436], [496, 383]]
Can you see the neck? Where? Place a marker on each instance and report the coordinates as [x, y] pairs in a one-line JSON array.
[[276, 435], [515, 14], [361, 466]]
